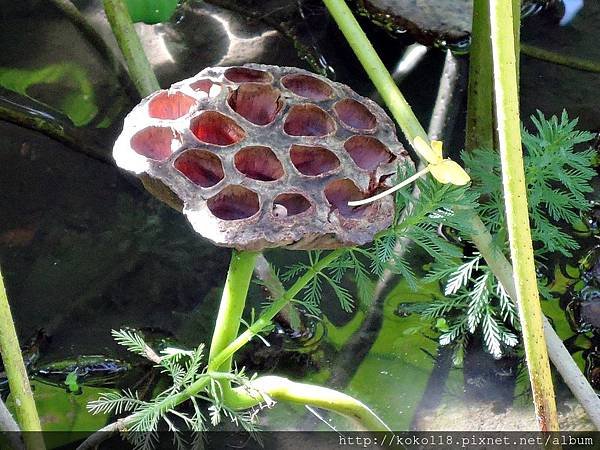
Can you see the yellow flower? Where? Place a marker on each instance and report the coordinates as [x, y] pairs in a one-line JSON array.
[[444, 170]]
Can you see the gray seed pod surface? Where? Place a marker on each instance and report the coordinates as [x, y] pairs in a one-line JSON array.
[[264, 156]]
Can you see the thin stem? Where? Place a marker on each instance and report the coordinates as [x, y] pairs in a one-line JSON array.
[[557, 58], [376, 70], [480, 103], [406, 182], [139, 68], [289, 316], [18, 381], [517, 213]]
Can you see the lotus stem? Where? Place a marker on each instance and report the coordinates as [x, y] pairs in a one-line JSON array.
[[231, 309], [517, 213], [139, 67], [480, 102]]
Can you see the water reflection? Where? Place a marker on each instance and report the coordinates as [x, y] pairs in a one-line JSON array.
[[572, 8]]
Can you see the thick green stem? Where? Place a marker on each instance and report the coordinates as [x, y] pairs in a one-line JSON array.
[[18, 381], [480, 104], [231, 310], [378, 73], [139, 68], [517, 213]]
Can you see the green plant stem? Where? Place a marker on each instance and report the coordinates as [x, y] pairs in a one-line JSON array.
[[139, 68], [482, 238], [18, 381], [517, 213], [232, 305], [480, 103], [231, 309], [282, 389], [573, 62], [378, 73]]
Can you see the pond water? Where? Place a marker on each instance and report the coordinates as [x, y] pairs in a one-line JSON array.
[[85, 249]]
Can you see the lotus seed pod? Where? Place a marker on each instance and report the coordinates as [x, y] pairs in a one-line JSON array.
[[263, 156]]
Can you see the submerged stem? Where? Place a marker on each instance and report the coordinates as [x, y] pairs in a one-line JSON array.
[[18, 381]]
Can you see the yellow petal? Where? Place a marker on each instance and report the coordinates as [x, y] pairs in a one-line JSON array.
[[436, 146], [449, 171], [423, 148]]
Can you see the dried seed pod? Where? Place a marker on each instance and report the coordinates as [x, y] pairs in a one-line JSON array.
[[263, 156]]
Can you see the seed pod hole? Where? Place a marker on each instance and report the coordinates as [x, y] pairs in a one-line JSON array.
[[156, 143], [216, 128], [355, 115], [307, 86], [340, 192], [257, 103], [234, 203], [201, 167], [245, 75], [308, 120], [290, 204], [368, 152], [313, 161], [209, 87], [170, 106], [258, 163]]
